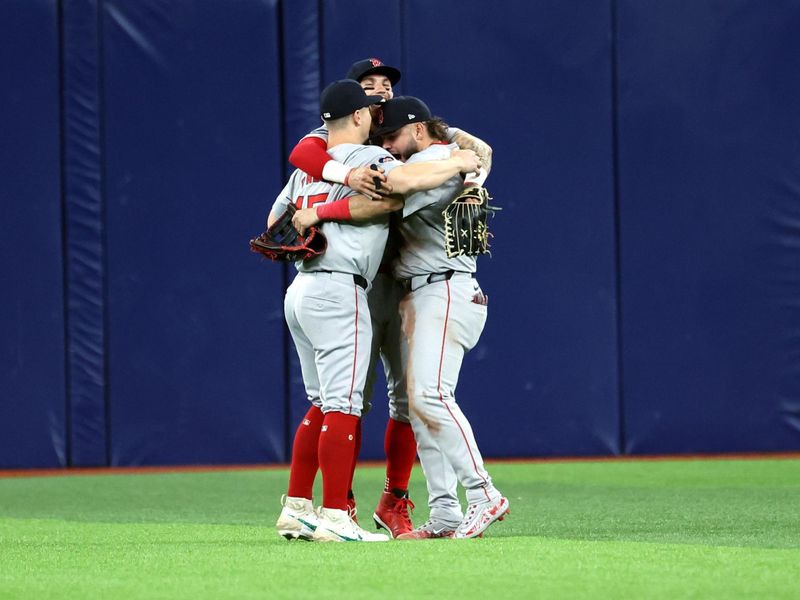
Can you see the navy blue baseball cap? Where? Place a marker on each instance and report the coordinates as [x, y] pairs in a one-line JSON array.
[[371, 66], [401, 111], [344, 97]]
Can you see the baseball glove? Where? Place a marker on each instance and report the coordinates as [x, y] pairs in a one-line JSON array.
[[281, 241], [465, 223]]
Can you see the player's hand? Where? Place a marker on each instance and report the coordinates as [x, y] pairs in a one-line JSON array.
[[362, 180], [467, 160], [305, 218]]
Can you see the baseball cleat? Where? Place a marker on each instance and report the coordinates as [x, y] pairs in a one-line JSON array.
[[480, 516], [429, 530], [392, 513], [298, 519], [337, 526]]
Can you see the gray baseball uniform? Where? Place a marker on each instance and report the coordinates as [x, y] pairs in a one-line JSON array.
[[326, 305], [443, 316], [384, 298]]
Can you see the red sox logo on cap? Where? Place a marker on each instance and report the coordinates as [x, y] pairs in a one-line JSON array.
[[376, 62]]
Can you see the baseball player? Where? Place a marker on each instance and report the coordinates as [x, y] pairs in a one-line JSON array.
[[443, 316], [327, 314], [310, 155]]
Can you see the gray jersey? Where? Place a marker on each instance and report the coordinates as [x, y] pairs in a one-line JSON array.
[[320, 132], [352, 247], [394, 238], [422, 227], [452, 132]]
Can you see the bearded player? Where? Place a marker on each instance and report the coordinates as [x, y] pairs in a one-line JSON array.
[[328, 316], [310, 155], [443, 315]]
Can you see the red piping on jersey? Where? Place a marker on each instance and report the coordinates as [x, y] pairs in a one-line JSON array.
[[441, 397], [355, 356]]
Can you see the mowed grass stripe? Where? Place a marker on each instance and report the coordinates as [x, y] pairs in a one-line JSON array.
[[577, 530]]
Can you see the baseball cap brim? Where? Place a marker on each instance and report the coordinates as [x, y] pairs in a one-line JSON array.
[[344, 97], [402, 111], [368, 101], [374, 100], [372, 66], [390, 72], [380, 131]]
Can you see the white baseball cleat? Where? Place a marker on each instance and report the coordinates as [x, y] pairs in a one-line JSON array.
[[298, 519], [480, 516], [338, 526], [430, 530]]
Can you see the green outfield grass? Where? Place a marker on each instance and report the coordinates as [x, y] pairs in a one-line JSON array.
[[671, 529]]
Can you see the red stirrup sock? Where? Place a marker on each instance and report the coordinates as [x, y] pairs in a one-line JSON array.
[[401, 451], [355, 457], [304, 455], [336, 450]]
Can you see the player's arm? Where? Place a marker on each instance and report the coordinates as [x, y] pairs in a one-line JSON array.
[[354, 208], [283, 200], [467, 141], [410, 178], [311, 155]]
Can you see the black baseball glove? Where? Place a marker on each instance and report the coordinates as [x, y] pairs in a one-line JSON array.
[[465, 223], [282, 242]]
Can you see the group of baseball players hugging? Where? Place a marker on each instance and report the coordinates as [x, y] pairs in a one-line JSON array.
[[375, 178]]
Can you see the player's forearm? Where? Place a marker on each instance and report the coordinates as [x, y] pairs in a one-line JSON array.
[[276, 211], [310, 155], [422, 176], [364, 209], [467, 141], [358, 208]]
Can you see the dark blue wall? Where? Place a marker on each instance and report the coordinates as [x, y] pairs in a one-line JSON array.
[[645, 273], [192, 125], [709, 165], [543, 378], [82, 177], [33, 419]]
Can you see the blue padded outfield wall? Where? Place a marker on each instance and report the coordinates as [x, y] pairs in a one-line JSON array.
[[709, 217], [192, 118], [34, 428], [645, 272]]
